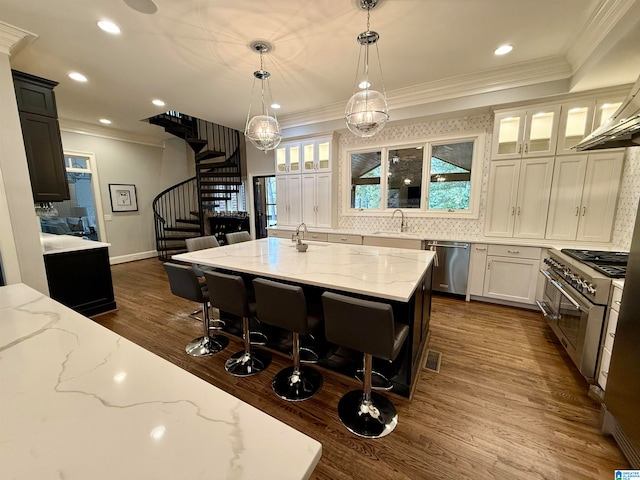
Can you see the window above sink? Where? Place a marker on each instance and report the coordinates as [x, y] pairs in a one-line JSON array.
[[431, 178]]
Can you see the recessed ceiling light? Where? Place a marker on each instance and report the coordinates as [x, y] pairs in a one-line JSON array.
[[158, 103], [106, 121], [78, 77], [109, 27], [503, 49], [275, 106]]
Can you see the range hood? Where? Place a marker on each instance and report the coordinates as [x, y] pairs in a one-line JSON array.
[[621, 130]]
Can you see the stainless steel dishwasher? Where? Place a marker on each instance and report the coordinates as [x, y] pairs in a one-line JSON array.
[[451, 266]]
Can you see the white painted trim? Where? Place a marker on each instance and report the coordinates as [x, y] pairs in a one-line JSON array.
[[132, 257], [82, 128], [95, 185], [13, 39]]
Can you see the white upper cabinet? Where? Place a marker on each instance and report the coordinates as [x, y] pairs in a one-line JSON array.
[[519, 197], [316, 156], [605, 108], [576, 122], [289, 200], [583, 196], [525, 133], [316, 200], [288, 158]]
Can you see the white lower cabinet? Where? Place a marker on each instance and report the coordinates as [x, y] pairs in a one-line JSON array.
[[511, 273], [316, 199], [477, 264], [288, 199]]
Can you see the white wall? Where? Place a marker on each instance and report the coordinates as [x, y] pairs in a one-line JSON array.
[[150, 168], [19, 228]]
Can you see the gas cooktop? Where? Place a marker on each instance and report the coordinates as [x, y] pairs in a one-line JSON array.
[[611, 264]]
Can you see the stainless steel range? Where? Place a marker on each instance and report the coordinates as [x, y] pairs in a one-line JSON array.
[[576, 292]]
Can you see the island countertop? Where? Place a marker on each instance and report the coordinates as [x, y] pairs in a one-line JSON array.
[[67, 243], [390, 273], [79, 401]]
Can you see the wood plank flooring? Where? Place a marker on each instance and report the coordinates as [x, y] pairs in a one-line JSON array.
[[507, 403]]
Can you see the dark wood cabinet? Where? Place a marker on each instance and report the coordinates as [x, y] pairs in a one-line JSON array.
[[81, 280], [41, 135]]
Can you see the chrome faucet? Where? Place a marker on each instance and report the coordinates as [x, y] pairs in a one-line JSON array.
[[403, 225], [297, 235]]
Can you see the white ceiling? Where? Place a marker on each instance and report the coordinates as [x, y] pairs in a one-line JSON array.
[[195, 55]]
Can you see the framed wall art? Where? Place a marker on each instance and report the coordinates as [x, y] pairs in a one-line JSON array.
[[123, 197]]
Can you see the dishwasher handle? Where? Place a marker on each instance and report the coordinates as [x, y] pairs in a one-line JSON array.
[[444, 245], [432, 247]]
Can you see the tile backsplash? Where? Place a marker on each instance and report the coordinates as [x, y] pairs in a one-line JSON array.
[[473, 229], [628, 200]]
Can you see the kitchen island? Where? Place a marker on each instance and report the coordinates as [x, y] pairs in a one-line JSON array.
[[79, 402], [78, 273], [400, 277]]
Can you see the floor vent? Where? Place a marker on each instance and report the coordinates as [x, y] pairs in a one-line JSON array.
[[433, 361]]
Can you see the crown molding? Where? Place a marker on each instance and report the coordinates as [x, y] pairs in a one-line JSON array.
[[604, 19], [82, 128], [512, 76], [12, 39]]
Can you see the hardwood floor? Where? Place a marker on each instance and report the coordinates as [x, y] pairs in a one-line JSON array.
[[507, 403]]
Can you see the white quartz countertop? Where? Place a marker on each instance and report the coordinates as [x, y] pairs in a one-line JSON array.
[[523, 242], [67, 243], [80, 402], [389, 273]]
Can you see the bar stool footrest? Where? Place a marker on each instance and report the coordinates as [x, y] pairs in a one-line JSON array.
[[296, 388], [243, 364], [203, 346], [375, 420]]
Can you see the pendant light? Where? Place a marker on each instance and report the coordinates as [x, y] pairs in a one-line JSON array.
[[262, 130], [367, 111]]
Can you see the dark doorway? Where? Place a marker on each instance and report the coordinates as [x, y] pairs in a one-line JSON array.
[[264, 203]]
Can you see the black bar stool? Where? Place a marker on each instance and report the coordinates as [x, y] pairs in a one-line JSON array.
[[285, 306], [366, 327], [184, 283], [228, 293]]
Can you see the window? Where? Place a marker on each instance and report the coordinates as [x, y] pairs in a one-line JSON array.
[[450, 176], [436, 178], [365, 180]]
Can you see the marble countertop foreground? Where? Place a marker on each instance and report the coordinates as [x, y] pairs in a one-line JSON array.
[[388, 273], [67, 243], [80, 402]]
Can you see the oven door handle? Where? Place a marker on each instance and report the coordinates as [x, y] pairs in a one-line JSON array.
[[545, 312], [558, 285]]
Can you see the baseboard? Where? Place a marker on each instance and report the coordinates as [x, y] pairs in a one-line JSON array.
[[132, 257], [507, 303]]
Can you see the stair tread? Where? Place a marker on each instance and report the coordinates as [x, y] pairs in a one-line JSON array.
[[188, 220], [182, 229]]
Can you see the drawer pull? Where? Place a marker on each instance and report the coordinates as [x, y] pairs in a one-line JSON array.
[[344, 239], [612, 335], [513, 252], [314, 236], [481, 249], [618, 302]]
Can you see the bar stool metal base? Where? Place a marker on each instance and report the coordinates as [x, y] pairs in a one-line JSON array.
[[296, 387], [244, 364], [203, 346], [220, 324], [378, 380], [375, 420]]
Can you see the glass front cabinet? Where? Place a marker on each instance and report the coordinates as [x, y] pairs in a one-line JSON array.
[[525, 133]]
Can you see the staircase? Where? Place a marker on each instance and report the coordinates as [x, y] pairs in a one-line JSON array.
[[179, 211]]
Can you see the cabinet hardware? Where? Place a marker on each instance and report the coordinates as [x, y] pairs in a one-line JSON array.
[[577, 211], [584, 211], [488, 265], [520, 148], [618, 302], [513, 252], [518, 210], [605, 374], [344, 239], [513, 211], [612, 335], [526, 148], [481, 249]]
